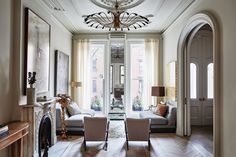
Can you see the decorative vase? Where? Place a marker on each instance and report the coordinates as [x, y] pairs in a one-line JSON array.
[[31, 96]]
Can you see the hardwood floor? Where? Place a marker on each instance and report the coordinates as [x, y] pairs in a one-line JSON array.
[[162, 145], [203, 137]]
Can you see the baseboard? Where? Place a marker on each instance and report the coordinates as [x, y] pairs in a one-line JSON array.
[[163, 130]]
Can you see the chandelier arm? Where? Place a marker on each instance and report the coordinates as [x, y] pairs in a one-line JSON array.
[[135, 24], [134, 16], [129, 18], [137, 21], [101, 18]]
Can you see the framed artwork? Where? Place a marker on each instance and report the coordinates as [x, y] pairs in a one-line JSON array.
[[61, 73], [37, 48]]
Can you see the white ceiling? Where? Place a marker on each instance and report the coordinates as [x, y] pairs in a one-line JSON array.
[[71, 11]]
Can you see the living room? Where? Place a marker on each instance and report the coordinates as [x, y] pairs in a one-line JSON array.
[[170, 43]]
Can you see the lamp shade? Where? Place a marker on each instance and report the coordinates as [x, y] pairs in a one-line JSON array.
[[158, 91]]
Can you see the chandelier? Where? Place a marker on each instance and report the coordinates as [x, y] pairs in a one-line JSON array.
[[117, 18]]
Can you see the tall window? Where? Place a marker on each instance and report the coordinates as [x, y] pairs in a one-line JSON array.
[[94, 86], [137, 75], [193, 81], [96, 75], [210, 81], [94, 64]]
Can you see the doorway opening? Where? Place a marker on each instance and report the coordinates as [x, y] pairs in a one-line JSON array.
[[189, 70], [199, 72]]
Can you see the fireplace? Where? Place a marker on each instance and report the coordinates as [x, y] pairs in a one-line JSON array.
[[42, 127], [44, 135]]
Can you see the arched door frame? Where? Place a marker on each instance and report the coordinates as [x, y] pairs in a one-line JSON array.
[[183, 112]]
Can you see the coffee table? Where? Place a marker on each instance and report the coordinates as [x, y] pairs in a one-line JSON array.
[[117, 115]]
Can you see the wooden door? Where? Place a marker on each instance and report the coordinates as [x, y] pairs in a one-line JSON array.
[[201, 79]]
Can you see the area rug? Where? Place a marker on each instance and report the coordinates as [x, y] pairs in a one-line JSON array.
[[162, 145], [116, 148], [116, 129]]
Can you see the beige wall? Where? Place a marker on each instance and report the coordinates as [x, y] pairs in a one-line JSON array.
[[5, 60], [224, 12], [12, 53]]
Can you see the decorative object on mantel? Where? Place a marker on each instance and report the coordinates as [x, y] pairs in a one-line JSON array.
[[31, 92], [63, 100], [117, 17], [44, 99]]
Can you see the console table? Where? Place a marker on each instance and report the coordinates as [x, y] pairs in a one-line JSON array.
[[17, 130]]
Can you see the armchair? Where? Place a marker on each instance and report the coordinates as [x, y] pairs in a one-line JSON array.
[[137, 130], [96, 129]]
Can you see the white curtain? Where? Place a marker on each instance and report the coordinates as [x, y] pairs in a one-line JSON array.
[[151, 70], [80, 72]]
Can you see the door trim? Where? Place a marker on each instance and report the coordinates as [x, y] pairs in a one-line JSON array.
[[190, 29]]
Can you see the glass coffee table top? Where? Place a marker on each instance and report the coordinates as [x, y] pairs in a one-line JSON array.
[[116, 115]]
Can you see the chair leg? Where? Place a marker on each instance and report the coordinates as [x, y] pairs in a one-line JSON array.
[[85, 145], [149, 145], [105, 146], [106, 138]]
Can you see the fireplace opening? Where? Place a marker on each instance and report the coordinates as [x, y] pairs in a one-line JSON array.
[[44, 135]]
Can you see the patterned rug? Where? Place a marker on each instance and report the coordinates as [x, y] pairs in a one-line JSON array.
[[116, 129], [162, 145]]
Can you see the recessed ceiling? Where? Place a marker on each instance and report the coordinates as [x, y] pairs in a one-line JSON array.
[[71, 11]]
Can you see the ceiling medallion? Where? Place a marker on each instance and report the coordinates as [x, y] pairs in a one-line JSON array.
[[117, 18], [123, 4]]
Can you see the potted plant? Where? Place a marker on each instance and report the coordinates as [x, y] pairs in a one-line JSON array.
[[137, 104], [96, 103]]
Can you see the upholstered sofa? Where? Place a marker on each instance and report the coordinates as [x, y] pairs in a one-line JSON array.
[[74, 117], [159, 123]]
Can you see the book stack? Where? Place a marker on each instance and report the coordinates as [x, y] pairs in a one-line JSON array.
[[4, 131]]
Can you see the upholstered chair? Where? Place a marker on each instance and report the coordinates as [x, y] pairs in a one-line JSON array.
[[96, 129], [137, 130]]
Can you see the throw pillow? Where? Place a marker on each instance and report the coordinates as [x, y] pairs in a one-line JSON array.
[[161, 109], [73, 109]]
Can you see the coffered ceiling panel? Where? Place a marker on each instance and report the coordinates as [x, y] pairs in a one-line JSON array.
[[70, 13]]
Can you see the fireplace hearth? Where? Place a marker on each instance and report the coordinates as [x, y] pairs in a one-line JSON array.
[[44, 136]]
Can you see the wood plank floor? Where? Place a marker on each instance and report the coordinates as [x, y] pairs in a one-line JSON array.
[[162, 145]]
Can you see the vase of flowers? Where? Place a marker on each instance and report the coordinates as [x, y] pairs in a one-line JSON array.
[[137, 104], [96, 103], [63, 100], [31, 92]]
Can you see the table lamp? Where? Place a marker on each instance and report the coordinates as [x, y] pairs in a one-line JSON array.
[[158, 91]]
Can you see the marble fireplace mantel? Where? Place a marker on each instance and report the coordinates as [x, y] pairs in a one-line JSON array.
[[33, 114]]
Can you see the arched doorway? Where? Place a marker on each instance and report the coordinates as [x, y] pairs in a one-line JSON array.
[[194, 24]]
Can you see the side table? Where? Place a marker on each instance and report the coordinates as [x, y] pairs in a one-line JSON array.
[[17, 130]]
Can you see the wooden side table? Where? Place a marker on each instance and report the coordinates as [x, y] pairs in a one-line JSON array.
[[17, 130]]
